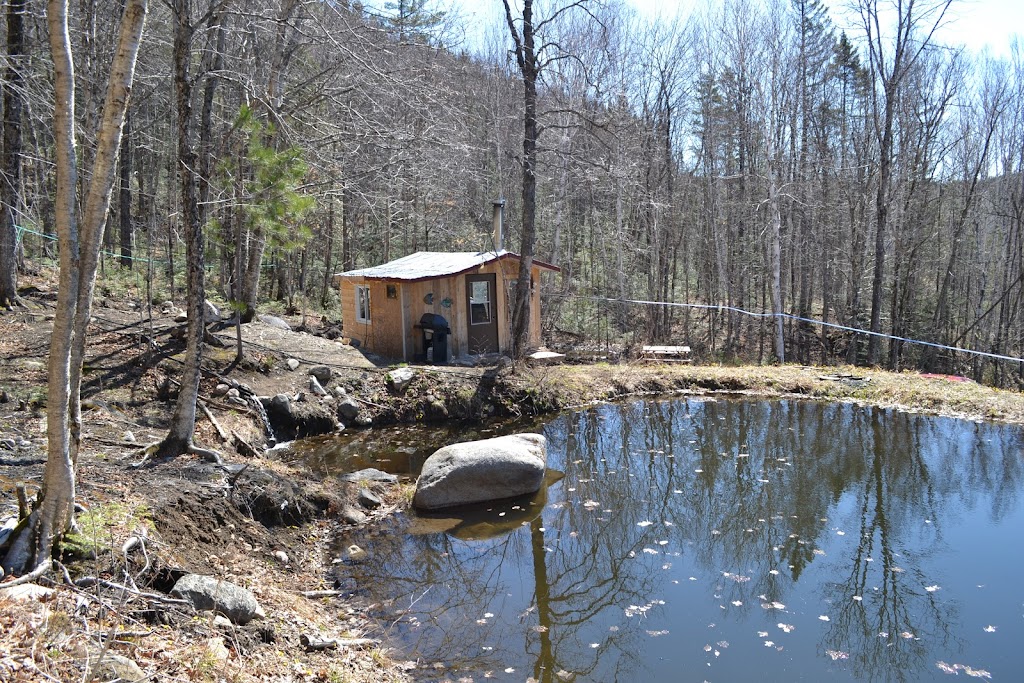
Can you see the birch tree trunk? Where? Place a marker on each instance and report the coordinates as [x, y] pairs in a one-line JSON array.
[[33, 542]]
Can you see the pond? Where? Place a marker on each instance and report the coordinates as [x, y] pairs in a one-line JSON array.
[[722, 540]]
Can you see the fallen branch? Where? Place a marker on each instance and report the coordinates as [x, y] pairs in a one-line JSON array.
[[243, 447], [312, 643], [320, 594], [89, 581], [36, 573], [369, 403], [216, 425]]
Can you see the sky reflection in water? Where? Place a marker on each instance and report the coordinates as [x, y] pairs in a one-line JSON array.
[[723, 541]]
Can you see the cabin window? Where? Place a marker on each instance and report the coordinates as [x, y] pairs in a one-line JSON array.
[[362, 304], [479, 303], [392, 291]]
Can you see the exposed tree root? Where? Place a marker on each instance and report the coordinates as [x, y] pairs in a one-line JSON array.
[[41, 569], [167, 449]]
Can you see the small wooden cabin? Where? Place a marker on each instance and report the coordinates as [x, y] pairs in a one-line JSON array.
[[382, 306]]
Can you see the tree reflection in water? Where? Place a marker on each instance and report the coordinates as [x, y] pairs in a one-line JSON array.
[[685, 523]]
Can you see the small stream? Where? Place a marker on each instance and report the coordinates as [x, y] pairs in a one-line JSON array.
[[723, 540]]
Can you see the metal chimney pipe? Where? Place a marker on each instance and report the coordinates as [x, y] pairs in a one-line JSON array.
[[497, 221]]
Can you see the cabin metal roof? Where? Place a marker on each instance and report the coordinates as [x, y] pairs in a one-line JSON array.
[[428, 265]]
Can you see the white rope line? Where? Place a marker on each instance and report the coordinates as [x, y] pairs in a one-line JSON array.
[[789, 316]]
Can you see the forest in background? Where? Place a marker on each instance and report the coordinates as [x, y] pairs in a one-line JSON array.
[[747, 157]]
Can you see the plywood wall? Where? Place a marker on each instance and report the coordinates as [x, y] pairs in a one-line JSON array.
[[382, 335]]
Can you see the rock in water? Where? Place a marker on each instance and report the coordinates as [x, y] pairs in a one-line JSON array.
[[211, 593], [372, 475], [478, 471]]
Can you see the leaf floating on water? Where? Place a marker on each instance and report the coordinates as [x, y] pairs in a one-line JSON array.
[[645, 523], [931, 589], [564, 675], [818, 551], [540, 629], [594, 646], [955, 669], [773, 572], [655, 634], [481, 622], [989, 629], [737, 603], [840, 533], [591, 504], [824, 617], [897, 570], [738, 578], [762, 634], [510, 670], [650, 551], [906, 635], [662, 542], [769, 643], [786, 628], [857, 598], [773, 605], [837, 654]]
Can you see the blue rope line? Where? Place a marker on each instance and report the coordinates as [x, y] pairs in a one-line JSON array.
[[789, 316], [108, 253]]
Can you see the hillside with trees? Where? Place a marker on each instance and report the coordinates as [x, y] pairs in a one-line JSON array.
[[748, 156]]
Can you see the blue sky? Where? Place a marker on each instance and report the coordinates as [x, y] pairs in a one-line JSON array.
[[976, 24]]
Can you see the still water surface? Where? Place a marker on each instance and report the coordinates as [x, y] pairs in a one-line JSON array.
[[723, 540]]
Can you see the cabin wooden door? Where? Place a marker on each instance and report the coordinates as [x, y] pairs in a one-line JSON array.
[[482, 313]]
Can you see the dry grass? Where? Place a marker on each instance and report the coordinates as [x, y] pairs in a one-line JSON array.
[[911, 391]]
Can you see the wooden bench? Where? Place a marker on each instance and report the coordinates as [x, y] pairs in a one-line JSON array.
[[667, 354]]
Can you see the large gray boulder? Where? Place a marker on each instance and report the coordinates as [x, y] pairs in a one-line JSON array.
[[211, 593], [478, 471]]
